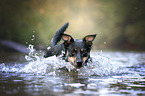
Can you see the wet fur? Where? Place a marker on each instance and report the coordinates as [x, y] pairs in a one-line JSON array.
[[77, 52]]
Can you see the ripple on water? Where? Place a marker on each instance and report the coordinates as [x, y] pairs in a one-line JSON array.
[[109, 73], [101, 65]]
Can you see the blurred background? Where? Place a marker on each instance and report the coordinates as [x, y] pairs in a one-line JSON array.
[[119, 24]]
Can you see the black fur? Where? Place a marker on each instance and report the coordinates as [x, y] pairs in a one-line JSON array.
[[77, 52], [57, 36]]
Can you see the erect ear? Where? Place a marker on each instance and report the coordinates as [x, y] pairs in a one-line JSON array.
[[67, 39], [89, 38]]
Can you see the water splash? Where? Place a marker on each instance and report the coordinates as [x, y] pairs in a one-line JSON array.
[[101, 64]]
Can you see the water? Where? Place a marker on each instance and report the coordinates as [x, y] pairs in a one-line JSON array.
[[110, 73]]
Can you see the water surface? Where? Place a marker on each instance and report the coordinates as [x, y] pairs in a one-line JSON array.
[[110, 73]]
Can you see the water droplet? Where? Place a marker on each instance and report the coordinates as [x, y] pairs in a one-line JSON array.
[[48, 48]]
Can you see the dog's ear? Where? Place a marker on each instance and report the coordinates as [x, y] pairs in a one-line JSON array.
[[67, 39], [89, 38]]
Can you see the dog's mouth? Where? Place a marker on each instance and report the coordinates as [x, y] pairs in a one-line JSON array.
[[77, 65]]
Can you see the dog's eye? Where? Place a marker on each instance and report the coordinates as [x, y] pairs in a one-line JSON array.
[[72, 51], [84, 53]]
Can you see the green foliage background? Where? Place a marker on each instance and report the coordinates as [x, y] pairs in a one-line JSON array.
[[120, 24]]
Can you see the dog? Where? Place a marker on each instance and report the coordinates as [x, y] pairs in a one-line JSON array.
[[75, 51]]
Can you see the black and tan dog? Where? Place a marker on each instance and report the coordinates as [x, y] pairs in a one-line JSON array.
[[77, 52]]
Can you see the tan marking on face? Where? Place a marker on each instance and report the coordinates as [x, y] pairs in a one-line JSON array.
[[84, 59], [67, 54], [72, 59], [82, 50], [75, 49]]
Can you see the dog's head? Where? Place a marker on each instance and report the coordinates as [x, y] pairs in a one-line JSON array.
[[78, 51]]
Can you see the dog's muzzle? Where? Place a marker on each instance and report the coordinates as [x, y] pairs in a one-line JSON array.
[[79, 64]]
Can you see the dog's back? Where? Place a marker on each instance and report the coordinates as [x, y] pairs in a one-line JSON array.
[[77, 52], [55, 49]]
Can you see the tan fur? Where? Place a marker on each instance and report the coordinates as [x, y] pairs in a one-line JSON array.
[[89, 38], [72, 59], [84, 59], [82, 50]]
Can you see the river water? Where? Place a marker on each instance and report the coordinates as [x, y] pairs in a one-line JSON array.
[[113, 73]]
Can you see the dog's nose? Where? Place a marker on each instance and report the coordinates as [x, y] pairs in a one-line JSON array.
[[79, 64]]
